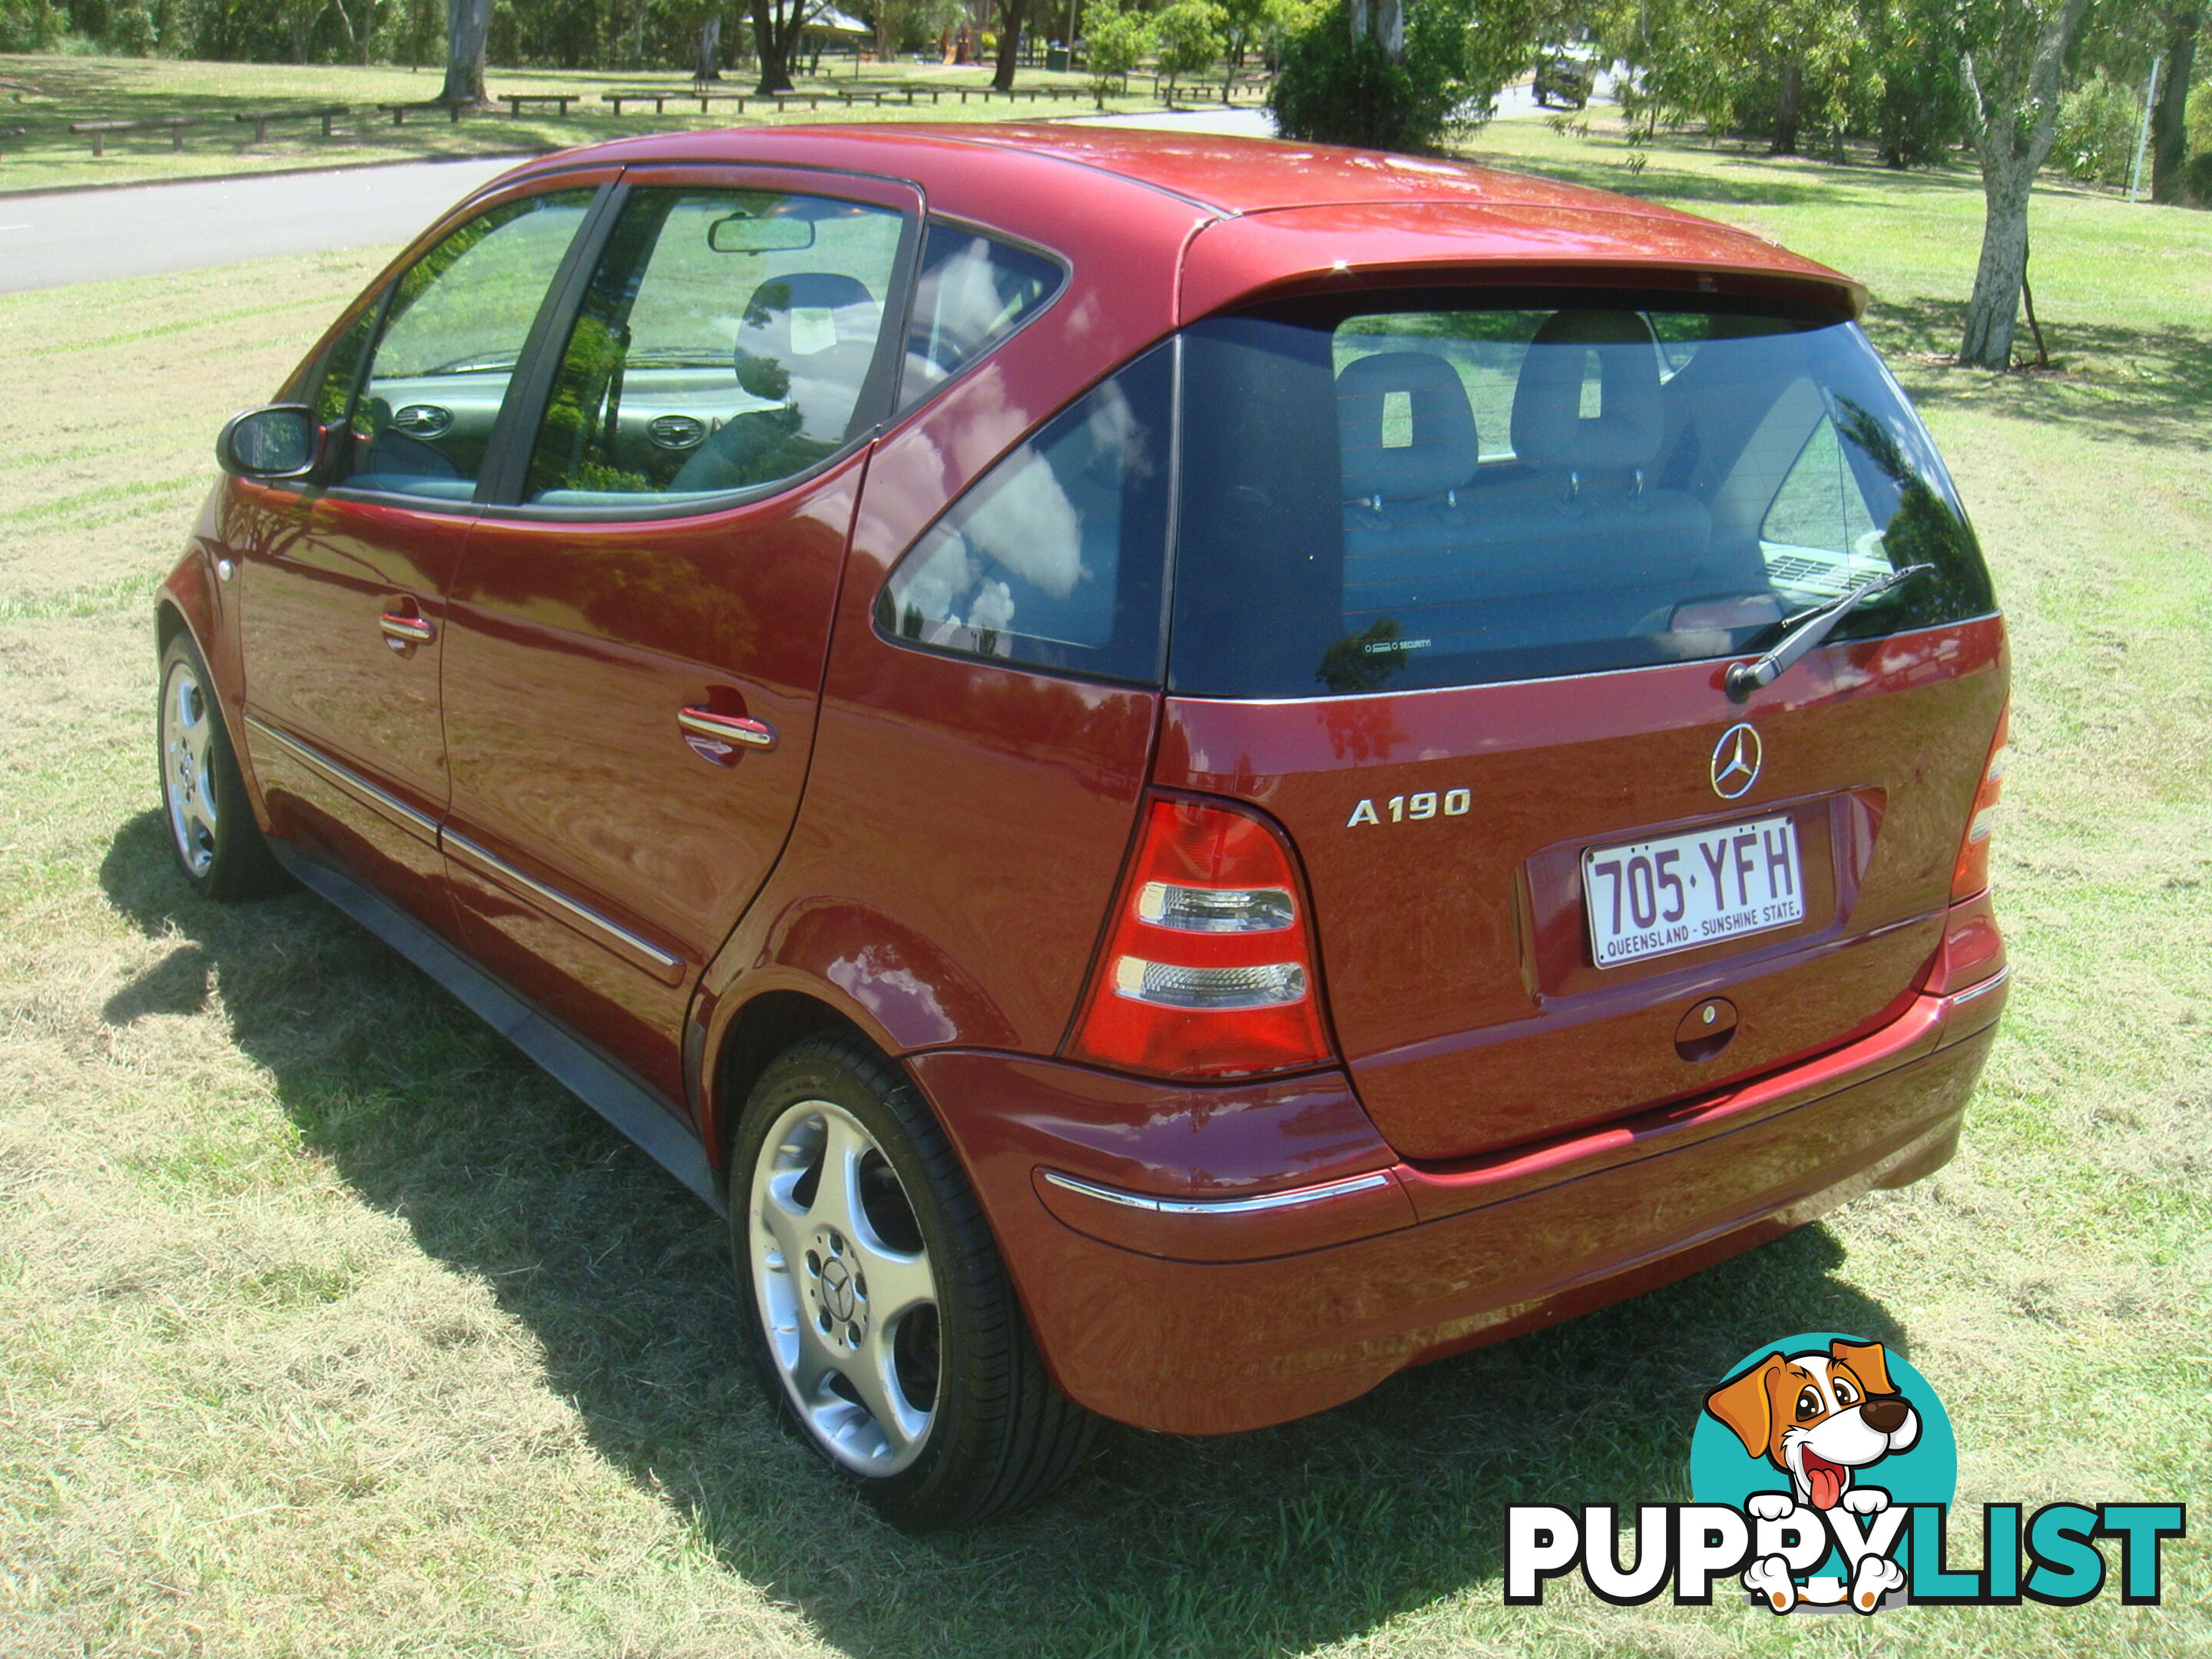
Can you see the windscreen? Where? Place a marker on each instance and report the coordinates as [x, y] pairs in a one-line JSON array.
[[1430, 491]]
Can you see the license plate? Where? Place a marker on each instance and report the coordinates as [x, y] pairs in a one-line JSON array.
[[1649, 897]]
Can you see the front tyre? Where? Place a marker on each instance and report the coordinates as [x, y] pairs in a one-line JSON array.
[[882, 1319], [218, 845]]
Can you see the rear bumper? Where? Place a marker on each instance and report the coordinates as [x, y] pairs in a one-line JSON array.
[[1206, 1261]]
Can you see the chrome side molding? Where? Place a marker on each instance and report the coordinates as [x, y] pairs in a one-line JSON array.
[[352, 782]]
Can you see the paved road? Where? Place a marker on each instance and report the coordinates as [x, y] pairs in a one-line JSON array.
[[93, 235]]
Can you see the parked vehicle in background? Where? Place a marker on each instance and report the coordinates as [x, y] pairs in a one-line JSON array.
[[1560, 79], [1182, 772]]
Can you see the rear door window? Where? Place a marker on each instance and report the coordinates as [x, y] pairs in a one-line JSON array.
[[1443, 494], [729, 339]]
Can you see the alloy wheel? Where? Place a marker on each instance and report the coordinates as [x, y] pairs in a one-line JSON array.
[[187, 782], [845, 1289]]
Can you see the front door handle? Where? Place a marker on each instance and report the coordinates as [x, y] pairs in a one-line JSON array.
[[740, 729], [401, 632]]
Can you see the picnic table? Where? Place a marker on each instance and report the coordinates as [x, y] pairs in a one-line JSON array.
[[326, 114], [561, 101], [661, 97], [174, 126], [453, 107]]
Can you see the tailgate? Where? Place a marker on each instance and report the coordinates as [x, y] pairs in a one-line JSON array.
[[1443, 834]]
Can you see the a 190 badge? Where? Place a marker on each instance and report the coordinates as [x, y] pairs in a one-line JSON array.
[[1401, 809]]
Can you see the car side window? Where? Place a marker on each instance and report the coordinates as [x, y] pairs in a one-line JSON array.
[[452, 332], [724, 342], [1054, 557], [971, 292], [326, 384]]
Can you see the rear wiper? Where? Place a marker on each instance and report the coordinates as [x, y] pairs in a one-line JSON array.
[[1807, 630]]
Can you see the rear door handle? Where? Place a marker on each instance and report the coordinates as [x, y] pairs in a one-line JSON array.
[[400, 632], [725, 728]]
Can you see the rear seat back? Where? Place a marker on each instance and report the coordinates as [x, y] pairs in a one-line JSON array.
[[1573, 539]]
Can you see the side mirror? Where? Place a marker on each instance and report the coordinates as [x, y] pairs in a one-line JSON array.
[[746, 232], [281, 440]]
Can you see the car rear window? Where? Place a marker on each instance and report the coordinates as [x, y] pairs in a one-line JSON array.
[[1427, 492]]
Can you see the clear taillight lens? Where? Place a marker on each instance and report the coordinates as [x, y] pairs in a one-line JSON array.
[[1208, 969], [1216, 909], [1971, 874]]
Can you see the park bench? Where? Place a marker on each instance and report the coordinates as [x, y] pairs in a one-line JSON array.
[[399, 113], [174, 126], [326, 114], [661, 97], [560, 101]]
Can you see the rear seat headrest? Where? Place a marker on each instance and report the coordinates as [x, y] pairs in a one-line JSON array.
[[1548, 428], [1444, 452]]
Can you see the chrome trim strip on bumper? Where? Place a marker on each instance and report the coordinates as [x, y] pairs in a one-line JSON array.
[[1958, 998], [662, 964], [352, 782], [1222, 1206]]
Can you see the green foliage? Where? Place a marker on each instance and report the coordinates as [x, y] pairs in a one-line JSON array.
[[30, 26], [1114, 38], [1338, 89], [131, 33], [2098, 125], [1188, 36]]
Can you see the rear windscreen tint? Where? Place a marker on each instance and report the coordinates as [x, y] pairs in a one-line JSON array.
[[1441, 495]]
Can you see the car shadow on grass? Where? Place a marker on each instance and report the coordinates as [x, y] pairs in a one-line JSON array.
[[1312, 1532]]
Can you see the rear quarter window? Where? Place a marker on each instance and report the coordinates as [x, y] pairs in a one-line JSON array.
[[1443, 492], [1054, 557]]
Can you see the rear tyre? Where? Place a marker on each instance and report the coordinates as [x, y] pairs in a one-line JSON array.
[[217, 844], [882, 1317]]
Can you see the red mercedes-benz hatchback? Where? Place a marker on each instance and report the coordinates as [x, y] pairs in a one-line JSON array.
[[1182, 772]]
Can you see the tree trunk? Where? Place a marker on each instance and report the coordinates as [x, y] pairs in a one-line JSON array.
[[772, 42], [1386, 21], [1010, 43], [1997, 278], [467, 23], [709, 66], [2169, 140], [1790, 110], [2010, 159]]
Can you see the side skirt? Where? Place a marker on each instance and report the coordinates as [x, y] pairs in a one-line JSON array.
[[634, 1110]]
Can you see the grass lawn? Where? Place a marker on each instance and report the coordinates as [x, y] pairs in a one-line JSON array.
[[44, 93], [328, 1326]]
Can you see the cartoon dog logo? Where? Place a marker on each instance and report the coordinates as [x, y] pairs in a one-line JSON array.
[[1819, 1417]]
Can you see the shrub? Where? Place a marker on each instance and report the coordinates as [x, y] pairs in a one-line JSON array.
[[2097, 122], [1188, 37], [29, 26], [1113, 40], [1337, 89], [129, 32]]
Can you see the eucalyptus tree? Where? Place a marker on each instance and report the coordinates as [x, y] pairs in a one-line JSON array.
[[2013, 60], [468, 23]]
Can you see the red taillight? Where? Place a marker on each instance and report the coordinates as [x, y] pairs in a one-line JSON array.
[[1971, 874], [1209, 966]]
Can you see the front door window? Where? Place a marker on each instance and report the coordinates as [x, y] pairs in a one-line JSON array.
[[451, 335]]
